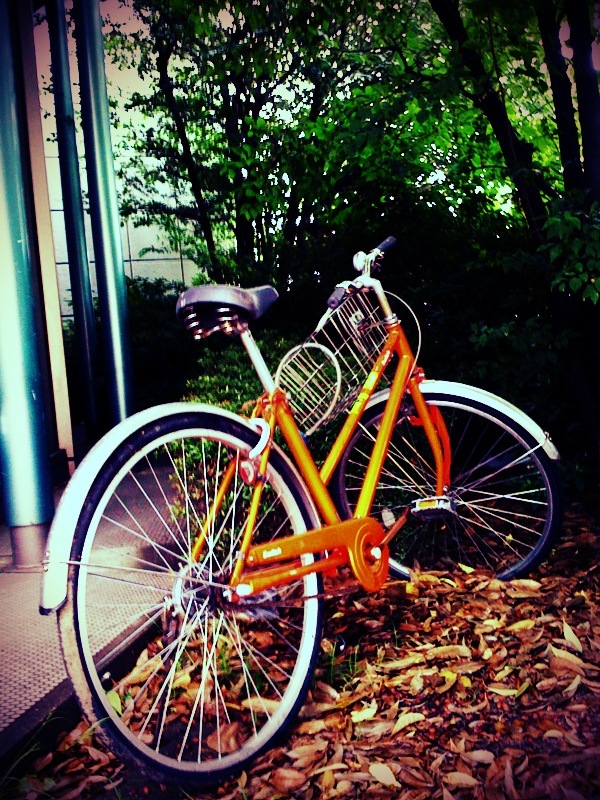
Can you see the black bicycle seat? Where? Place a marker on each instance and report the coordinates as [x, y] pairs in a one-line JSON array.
[[205, 309]]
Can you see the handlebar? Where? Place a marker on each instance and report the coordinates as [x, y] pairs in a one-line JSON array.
[[365, 263], [386, 245]]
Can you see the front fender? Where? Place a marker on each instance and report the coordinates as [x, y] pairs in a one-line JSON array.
[[62, 531], [483, 399]]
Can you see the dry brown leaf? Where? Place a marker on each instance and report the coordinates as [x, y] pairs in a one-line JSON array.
[[97, 755], [526, 583], [383, 774], [306, 750], [509, 782], [546, 685], [402, 663], [261, 705], [332, 767], [479, 756], [570, 636], [448, 651], [565, 655], [522, 625], [405, 719], [312, 726], [460, 780], [285, 779], [364, 713], [227, 739], [565, 665], [503, 691]]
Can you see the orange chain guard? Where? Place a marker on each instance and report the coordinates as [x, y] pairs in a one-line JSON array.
[[357, 541]]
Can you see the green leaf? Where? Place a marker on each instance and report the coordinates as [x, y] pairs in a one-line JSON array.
[[115, 701]]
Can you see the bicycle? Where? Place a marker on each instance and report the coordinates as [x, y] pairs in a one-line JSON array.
[[188, 551]]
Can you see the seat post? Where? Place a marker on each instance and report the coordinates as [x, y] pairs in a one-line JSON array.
[[257, 360]]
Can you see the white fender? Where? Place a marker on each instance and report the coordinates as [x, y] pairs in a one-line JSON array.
[[483, 399], [60, 538]]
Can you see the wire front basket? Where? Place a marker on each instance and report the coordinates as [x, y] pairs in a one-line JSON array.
[[323, 376]]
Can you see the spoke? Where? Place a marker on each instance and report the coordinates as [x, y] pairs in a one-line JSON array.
[[153, 506], [158, 548], [259, 657]]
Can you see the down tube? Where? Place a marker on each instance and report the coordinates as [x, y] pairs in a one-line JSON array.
[[380, 448], [359, 406], [304, 460]]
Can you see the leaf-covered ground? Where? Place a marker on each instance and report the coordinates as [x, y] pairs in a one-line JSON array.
[[454, 685]]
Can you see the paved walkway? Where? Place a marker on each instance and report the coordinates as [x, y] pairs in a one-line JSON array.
[[33, 681]]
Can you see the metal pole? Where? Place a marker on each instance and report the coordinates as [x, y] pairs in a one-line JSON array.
[[24, 459], [104, 208], [81, 290]]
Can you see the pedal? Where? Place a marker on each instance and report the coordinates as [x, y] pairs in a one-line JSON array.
[[387, 518], [431, 507]]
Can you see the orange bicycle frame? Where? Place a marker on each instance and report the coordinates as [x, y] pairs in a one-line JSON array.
[[263, 566]]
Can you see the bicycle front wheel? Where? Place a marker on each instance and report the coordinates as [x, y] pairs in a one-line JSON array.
[[183, 683], [504, 493]]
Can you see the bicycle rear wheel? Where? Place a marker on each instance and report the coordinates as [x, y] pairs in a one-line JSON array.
[[505, 492], [183, 683]]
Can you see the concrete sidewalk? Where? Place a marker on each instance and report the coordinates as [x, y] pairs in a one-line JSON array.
[[33, 681]]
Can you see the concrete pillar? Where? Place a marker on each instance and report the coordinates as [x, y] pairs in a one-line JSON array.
[[24, 459]]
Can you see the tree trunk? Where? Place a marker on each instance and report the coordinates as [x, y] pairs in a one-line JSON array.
[[588, 98], [517, 153], [560, 84], [164, 81]]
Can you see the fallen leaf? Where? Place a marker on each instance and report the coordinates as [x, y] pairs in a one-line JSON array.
[[226, 739], [523, 688], [383, 774], [570, 636], [285, 779], [565, 664], [115, 700], [364, 713], [479, 756], [460, 779], [307, 749], [522, 625], [567, 656], [448, 651], [261, 705], [503, 691], [526, 583], [402, 663], [405, 719], [573, 686]]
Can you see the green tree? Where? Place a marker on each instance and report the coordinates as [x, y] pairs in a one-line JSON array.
[[279, 137], [557, 191]]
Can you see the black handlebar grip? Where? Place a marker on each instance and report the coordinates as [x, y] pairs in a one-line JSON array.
[[386, 245], [336, 297]]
